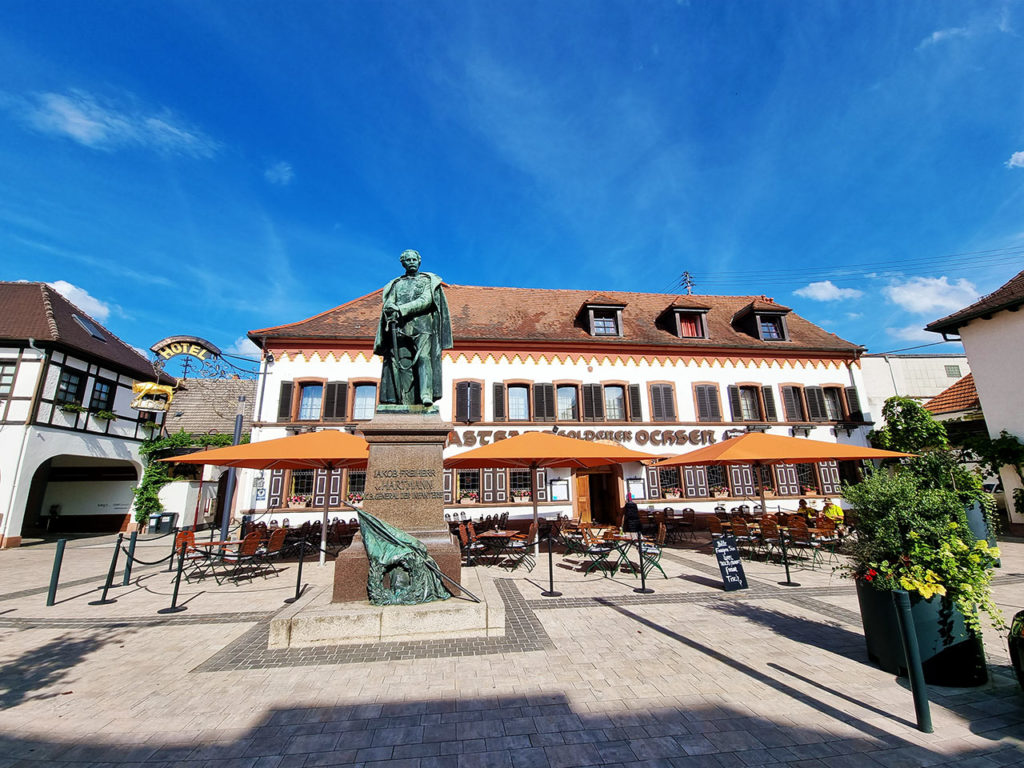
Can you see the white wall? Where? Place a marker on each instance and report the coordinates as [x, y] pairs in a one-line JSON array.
[[101, 497], [920, 377], [997, 360]]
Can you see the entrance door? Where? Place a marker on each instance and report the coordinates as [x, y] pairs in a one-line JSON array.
[[604, 507], [583, 497]]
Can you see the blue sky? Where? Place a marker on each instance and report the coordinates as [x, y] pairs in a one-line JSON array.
[[213, 167]]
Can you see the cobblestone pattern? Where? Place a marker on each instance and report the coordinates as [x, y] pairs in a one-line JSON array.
[[523, 633]]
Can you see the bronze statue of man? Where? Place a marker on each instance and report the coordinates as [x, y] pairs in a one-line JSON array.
[[414, 327]]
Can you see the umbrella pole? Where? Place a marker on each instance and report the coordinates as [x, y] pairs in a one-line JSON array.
[[536, 516], [760, 483], [323, 526]]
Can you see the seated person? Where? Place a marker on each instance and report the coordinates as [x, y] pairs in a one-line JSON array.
[[833, 511], [803, 509]]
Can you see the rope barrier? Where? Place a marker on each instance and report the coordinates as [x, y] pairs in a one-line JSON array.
[[134, 559]]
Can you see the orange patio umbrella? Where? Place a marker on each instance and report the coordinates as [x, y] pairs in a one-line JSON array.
[[759, 448], [533, 450], [328, 449]]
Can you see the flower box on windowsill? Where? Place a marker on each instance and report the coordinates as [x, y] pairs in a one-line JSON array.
[[467, 500]]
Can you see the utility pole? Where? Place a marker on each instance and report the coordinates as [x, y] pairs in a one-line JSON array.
[[686, 282]]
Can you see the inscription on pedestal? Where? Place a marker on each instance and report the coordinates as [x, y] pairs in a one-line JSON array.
[[403, 485]]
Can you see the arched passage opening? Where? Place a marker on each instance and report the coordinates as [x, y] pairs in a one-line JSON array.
[[79, 494]]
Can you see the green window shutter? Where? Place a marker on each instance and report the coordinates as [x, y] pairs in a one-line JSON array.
[[735, 408], [815, 404], [792, 404], [543, 402], [853, 404], [498, 392], [770, 413], [335, 400], [635, 410], [593, 402], [475, 394], [284, 402]]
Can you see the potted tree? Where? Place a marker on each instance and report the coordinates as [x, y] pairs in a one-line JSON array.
[[912, 534]]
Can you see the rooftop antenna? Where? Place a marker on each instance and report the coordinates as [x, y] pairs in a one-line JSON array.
[[686, 282]]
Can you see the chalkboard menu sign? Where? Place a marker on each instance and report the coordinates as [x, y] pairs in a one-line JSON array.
[[729, 563]]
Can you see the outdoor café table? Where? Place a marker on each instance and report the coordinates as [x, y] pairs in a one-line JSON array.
[[624, 545], [497, 541]]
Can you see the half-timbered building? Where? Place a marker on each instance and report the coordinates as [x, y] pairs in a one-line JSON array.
[[69, 439]]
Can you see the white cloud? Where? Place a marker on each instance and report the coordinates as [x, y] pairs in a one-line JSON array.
[[942, 35], [243, 346], [1016, 160], [82, 299], [854, 315], [913, 333], [108, 125], [280, 173], [931, 294], [826, 290]]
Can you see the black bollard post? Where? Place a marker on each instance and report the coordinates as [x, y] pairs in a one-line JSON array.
[[785, 561], [174, 548], [110, 574], [131, 555], [175, 608], [901, 600], [551, 572], [58, 558], [643, 571], [298, 578]]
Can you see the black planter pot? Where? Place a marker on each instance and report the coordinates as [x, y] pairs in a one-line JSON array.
[[951, 655]]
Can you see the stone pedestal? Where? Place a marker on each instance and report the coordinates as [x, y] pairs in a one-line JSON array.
[[404, 487]]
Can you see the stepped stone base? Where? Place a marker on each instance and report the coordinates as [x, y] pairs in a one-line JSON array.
[[315, 620]]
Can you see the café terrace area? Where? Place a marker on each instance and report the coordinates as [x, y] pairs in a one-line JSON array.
[[687, 675]]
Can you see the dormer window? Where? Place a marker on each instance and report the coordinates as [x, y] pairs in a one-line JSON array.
[[772, 327], [605, 321], [691, 325], [763, 319]]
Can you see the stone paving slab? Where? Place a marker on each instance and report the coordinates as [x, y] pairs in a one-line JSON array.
[[687, 676]]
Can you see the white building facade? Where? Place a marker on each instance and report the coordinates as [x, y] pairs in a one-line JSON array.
[[919, 377], [69, 457], [659, 373], [991, 330]]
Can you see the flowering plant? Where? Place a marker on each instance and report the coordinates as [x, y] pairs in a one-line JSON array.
[[806, 490], [469, 496], [523, 493], [300, 499], [916, 538], [355, 498], [718, 490], [674, 491]]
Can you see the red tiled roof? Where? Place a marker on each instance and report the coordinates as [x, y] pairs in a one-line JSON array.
[[37, 311], [1009, 296], [961, 396], [491, 314]]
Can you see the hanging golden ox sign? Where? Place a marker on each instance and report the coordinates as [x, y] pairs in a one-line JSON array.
[[150, 396], [193, 346]]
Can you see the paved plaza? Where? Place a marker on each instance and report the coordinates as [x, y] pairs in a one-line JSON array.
[[687, 676]]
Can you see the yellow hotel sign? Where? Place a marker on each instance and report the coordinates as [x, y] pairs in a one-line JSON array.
[[192, 346]]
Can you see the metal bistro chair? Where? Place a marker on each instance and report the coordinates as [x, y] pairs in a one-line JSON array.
[[744, 537], [519, 549], [597, 552], [243, 559], [472, 548], [650, 552]]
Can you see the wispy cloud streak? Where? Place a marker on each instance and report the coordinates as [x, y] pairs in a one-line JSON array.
[[108, 124]]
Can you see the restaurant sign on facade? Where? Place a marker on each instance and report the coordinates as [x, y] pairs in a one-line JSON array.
[[468, 438]]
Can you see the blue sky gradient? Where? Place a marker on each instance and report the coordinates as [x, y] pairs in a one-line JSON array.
[[214, 167]]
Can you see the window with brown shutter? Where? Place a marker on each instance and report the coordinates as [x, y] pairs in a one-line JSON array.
[[793, 404], [708, 408], [499, 401], [663, 405], [743, 403], [284, 402], [335, 398], [468, 396], [544, 402]]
